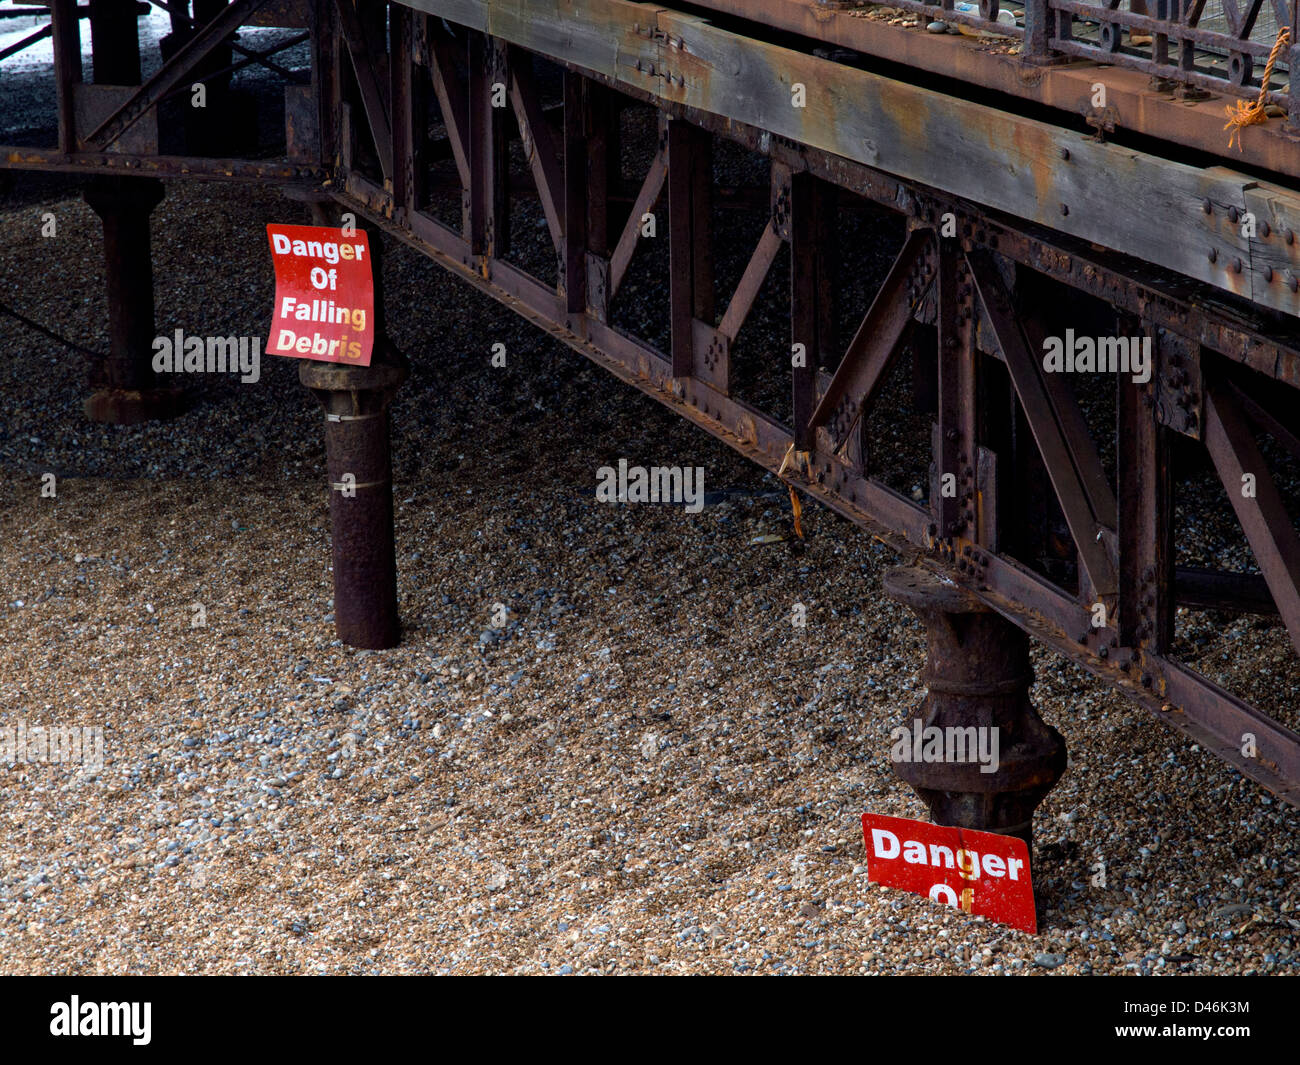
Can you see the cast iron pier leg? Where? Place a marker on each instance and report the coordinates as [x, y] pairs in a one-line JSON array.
[[357, 457], [978, 674], [126, 390], [356, 401]]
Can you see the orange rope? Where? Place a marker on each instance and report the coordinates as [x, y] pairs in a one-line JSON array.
[[1253, 113], [797, 508]]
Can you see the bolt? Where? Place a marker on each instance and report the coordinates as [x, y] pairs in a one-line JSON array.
[[1214, 255], [1065, 153]]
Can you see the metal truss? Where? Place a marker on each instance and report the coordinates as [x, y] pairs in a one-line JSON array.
[[1120, 536], [1221, 326]]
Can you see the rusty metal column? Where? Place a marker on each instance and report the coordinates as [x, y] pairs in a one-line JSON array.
[[355, 400], [977, 673], [125, 388]]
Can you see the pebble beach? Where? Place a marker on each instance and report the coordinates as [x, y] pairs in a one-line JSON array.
[[602, 746]]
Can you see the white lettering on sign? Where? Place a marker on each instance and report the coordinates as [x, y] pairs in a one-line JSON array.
[[968, 863], [982, 873], [328, 250]]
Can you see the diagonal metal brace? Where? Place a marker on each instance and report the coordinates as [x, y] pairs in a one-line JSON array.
[[172, 74], [876, 341], [1062, 438], [372, 90]]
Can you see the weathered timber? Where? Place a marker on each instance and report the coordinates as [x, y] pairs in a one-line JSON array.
[[1120, 198]]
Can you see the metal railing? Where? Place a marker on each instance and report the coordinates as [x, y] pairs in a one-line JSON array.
[[1193, 47], [1202, 45]]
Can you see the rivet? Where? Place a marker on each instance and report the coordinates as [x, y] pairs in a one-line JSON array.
[[1065, 153], [1236, 265], [1290, 237], [1065, 209], [1268, 273], [1233, 214], [1207, 207], [1214, 255]]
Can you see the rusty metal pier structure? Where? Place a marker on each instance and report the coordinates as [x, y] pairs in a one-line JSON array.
[[1072, 171]]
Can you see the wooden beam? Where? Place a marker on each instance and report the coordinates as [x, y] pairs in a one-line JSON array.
[[1109, 194]]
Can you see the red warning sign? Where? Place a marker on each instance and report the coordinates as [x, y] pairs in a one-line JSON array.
[[979, 872], [324, 295]]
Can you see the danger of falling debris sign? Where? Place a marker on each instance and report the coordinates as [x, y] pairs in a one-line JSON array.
[[980, 872], [324, 294]]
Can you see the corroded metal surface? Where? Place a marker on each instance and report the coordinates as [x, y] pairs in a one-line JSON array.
[[977, 676], [355, 401], [992, 199]]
